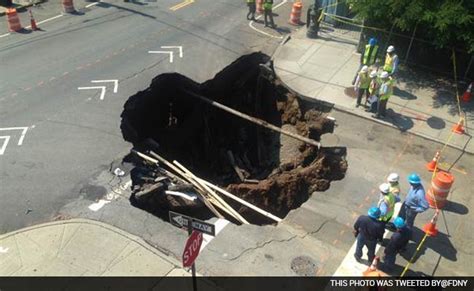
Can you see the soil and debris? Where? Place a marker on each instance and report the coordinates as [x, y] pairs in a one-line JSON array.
[[239, 156]]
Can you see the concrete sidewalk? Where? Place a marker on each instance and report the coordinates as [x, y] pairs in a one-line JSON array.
[[324, 68], [81, 247]]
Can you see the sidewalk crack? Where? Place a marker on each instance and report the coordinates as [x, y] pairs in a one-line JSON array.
[[282, 240]]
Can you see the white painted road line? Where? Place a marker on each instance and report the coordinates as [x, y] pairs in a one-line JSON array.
[[49, 19], [106, 81], [102, 94], [349, 267], [3, 250], [5, 143], [7, 137], [92, 4], [180, 48], [4, 35], [170, 53], [219, 225], [260, 16]]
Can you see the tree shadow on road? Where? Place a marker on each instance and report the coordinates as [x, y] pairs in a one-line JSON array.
[[108, 5]]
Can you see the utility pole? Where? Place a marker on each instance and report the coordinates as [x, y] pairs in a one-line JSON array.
[[314, 13]]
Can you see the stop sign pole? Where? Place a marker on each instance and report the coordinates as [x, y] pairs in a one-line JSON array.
[[193, 267]]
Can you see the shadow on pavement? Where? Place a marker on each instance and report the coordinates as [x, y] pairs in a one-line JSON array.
[[402, 122], [441, 244], [455, 207], [108, 5], [403, 94]]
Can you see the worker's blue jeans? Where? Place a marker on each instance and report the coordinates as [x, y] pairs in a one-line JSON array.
[[361, 242], [408, 215]]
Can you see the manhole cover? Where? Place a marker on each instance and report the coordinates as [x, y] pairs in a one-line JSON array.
[[304, 266]]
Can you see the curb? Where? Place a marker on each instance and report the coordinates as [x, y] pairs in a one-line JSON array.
[[345, 110], [330, 105], [22, 8], [109, 227]]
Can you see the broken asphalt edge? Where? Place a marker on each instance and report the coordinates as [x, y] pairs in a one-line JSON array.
[[108, 227], [22, 8], [336, 107]]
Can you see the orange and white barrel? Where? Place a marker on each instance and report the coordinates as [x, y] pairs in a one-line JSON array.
[[68, 6], [13, 20], [259, 6], [295, 16], [440, 186]]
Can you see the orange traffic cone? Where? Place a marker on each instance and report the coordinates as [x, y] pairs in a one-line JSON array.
[[295, 16], [431, 166], [430, 228], [32, 21], [459, 127], [466, 97]]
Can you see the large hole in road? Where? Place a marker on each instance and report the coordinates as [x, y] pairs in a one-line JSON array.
[[277, 173]]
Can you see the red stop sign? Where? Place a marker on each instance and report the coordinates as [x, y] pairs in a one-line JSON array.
[[191, 250]]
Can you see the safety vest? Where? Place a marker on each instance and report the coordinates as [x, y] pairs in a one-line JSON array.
[[373, 86], [395, 190], [268, 4], [390, 201], [364, 80], [388, 66], [389, 84], [370, 59]]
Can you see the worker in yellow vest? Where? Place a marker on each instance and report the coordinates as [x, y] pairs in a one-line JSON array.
[[386, 203], [373, 92], [393, 179], [268, 12], [369, 56], [252, 9], [361, 85], [391, 61], [385, 91]]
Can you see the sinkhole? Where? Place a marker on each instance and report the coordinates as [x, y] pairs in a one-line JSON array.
[[270, 170]]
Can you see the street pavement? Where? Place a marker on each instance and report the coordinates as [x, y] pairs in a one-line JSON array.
[[324, 68], [63, 168]]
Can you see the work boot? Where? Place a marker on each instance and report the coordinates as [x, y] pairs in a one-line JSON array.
[[358, 259]]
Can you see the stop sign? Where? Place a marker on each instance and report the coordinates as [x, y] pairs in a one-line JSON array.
[[191, 250]]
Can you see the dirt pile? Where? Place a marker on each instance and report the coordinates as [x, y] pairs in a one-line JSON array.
[[225, 149]]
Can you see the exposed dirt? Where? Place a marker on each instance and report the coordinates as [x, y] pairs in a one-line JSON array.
[[200, 137]]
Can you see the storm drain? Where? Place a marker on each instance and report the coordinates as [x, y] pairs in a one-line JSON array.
[[243, 158]]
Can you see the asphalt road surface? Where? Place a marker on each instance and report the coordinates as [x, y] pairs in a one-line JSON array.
[[59, 144], [72, 134]]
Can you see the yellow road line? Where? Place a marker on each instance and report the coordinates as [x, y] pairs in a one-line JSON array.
[[181, 5]]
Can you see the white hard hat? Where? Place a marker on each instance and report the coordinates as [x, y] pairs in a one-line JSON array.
[[384, 188], [373, 74], [393, 177], [384, 75], [364, 69], [390, 49]]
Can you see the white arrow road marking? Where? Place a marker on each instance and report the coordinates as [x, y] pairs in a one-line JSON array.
[[170, 53], [106, 81], [180, 48], [7, 138], [5, 143], [102, 94]]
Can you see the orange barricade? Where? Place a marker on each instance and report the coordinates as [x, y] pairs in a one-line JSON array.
[[259, 6], [295, 16], [68, 6], [440, 187], [13, 20]]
